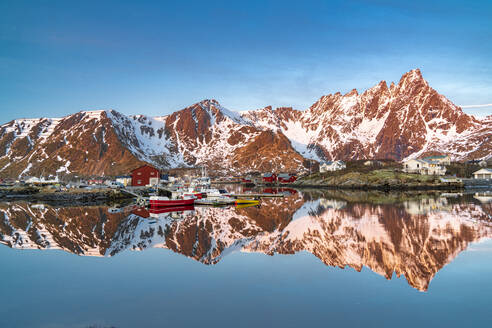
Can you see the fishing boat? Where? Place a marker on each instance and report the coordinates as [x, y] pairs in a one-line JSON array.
[[161, 201], [203, 186], [169, 209], [212, 193]]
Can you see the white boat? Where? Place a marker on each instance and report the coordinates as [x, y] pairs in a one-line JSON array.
[[203, 185]]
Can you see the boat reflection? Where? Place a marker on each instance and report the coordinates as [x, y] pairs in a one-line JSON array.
[[173, 211], [414, 238], [247, 205]]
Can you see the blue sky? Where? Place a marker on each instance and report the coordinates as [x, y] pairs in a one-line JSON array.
[[155, 57]]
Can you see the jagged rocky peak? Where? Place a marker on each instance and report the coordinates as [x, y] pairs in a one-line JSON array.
[[411, 81], [209, 111], [378, 89], [352, 93], [413, 85], [413, 75]]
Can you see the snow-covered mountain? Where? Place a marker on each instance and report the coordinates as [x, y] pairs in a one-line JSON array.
[[415, 239], [404, 120]]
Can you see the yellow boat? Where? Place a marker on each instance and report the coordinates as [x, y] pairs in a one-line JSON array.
[[247, 202]]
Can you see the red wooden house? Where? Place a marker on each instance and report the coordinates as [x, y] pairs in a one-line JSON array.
[[269, 178], [145, 175], [286, 178]]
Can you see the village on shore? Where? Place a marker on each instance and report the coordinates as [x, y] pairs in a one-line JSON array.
[[433, 172]]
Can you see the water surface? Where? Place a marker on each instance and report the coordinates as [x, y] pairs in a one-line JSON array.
[[312, 258]]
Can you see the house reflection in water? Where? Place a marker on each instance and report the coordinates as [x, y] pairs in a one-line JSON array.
[[332, 203], [484, 197], [427, 205]]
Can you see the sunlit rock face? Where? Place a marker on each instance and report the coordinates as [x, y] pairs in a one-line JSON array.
[[415, 238], [83, 143], [404, 120]]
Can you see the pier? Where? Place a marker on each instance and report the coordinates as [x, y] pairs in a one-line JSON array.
[[257, 195]]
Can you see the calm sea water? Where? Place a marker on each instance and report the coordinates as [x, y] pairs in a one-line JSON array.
[[310, 259]]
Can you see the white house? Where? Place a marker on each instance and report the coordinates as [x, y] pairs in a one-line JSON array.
[[125, 180], [331, 166], [33, 180], [41, 180], [483, 174], [424, 167]]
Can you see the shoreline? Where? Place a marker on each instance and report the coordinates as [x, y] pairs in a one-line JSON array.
[[385, 179], [76, 197], [383, 187]]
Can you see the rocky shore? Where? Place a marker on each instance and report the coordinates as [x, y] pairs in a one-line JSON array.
[[77, 196], [384, 179]]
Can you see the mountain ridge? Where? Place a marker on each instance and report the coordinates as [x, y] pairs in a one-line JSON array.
[[404, 120]]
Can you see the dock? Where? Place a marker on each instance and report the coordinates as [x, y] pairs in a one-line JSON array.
[[257, 195], [142, 201]]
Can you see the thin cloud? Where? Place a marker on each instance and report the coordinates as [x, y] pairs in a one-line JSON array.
[[476, 106]]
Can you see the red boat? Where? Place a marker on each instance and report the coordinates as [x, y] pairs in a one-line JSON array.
[[158, 201], [169, 209]]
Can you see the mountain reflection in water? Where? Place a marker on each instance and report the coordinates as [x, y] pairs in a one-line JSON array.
[[410, 237]]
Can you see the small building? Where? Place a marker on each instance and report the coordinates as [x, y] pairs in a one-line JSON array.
[[125, 180], [247, 179], [145, 175], [286, 178], [95, 181], [441, 159], [483, 174], [331, 166], [33, 180], [424, 167], [269, 178], [372, 162]]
